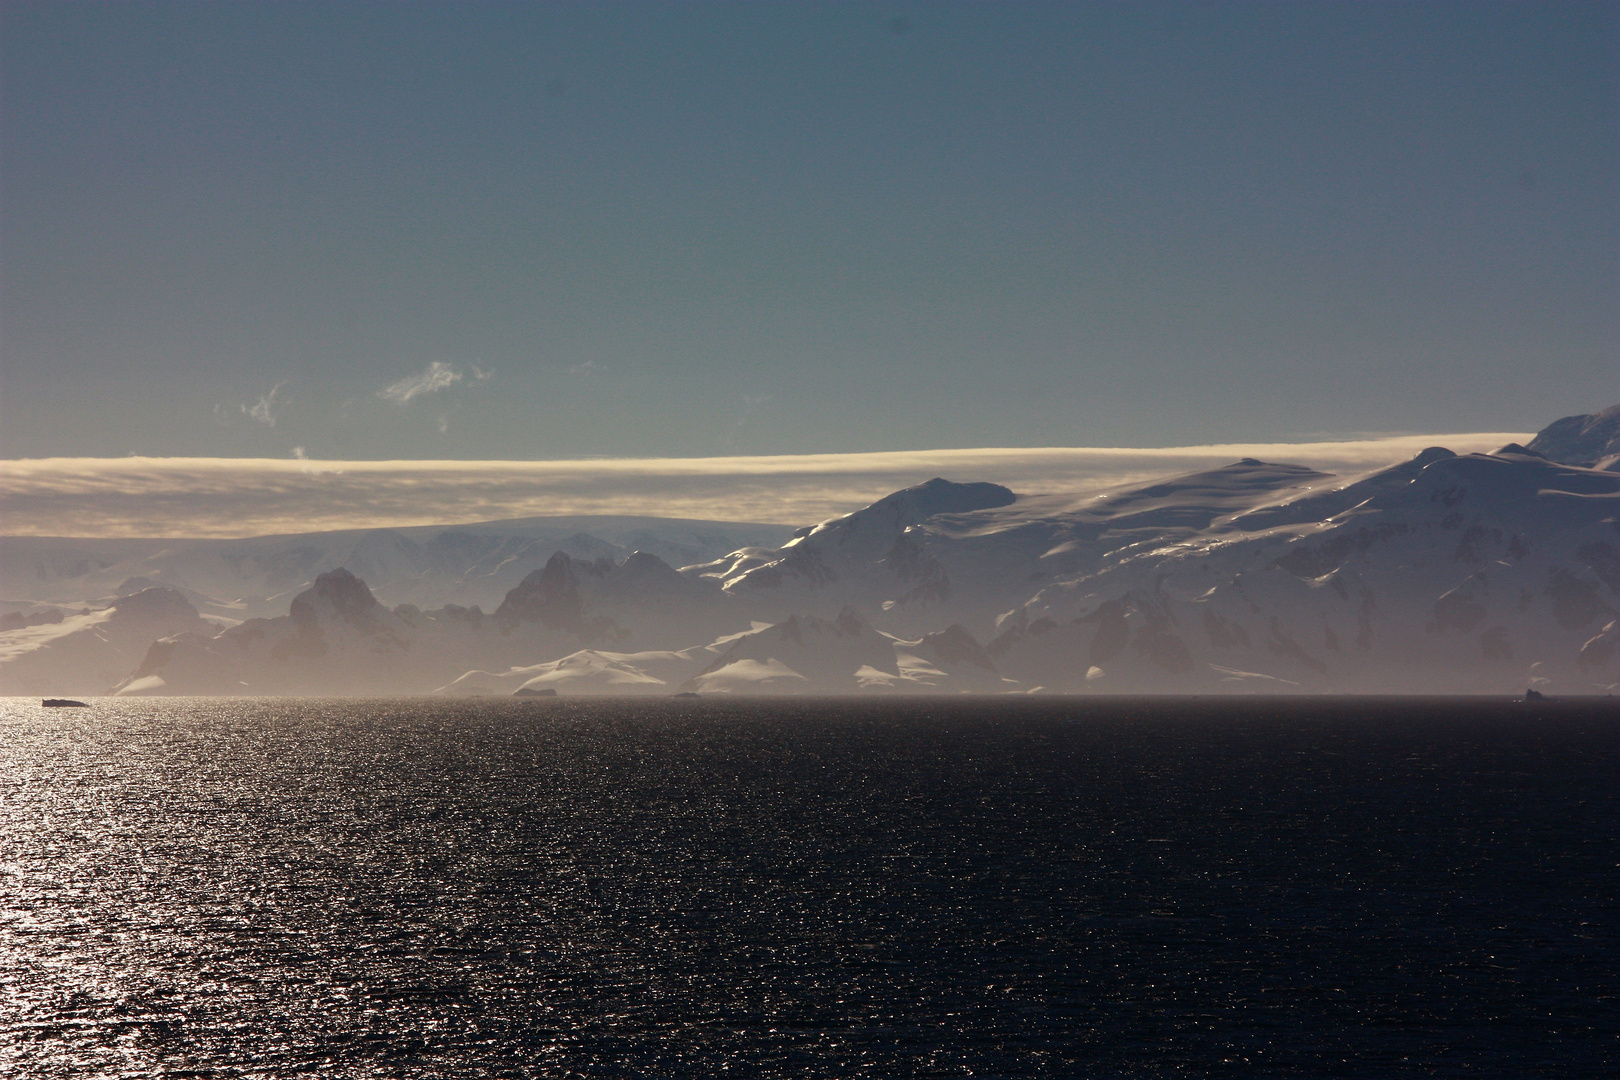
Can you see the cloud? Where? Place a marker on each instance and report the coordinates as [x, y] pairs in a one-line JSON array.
[[267, 408], [221, 497], [437, 376]]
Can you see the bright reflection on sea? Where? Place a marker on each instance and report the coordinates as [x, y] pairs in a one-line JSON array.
[[697, 888]]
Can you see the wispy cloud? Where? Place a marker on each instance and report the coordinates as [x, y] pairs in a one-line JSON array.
[[242, 497], [267, 410], [268, 407], [437, 376]]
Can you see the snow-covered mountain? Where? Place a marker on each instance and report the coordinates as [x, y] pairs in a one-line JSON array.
[[48, 651], [428, 566], [1592, 440], [1481, 573], [338, 639], [1476, 574]]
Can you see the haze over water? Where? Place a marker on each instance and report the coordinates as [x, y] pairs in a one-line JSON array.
[[791, 888]]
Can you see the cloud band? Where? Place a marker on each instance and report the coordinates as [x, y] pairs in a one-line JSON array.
[[225, 497]]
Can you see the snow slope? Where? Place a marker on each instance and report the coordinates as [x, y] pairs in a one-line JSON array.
[[588, 671], [1484, 573], [1592, 440]]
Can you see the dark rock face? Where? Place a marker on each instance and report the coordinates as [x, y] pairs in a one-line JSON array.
[[1166, 650], [344, 595], [954, 644], [849, 623], [1113, 631], [1278, 641], [336, 597], [1224, 633], [602, 602], [551, 597]]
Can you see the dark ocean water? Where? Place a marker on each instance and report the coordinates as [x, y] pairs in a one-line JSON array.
[[682, 888]]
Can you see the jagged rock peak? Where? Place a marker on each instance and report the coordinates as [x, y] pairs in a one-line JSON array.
[[849, 622], [549, 594], [341, 593], [954, 643], [341, 584]]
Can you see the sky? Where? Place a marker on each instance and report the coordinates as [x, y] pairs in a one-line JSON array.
[[543, 232]]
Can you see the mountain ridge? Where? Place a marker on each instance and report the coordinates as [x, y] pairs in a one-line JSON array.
[[1444, 573]]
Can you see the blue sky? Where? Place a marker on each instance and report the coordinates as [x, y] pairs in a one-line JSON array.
[[537, 231]]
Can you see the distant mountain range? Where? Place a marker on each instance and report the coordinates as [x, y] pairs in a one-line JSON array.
[[1481, 573], [424, 565]]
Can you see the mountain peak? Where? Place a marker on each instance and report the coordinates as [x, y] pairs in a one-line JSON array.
[[1518, 450], [941, 496], [337, 592], [1429, 455], [1585, 440]]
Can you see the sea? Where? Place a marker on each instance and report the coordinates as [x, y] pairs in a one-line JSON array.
[[689, 887]]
